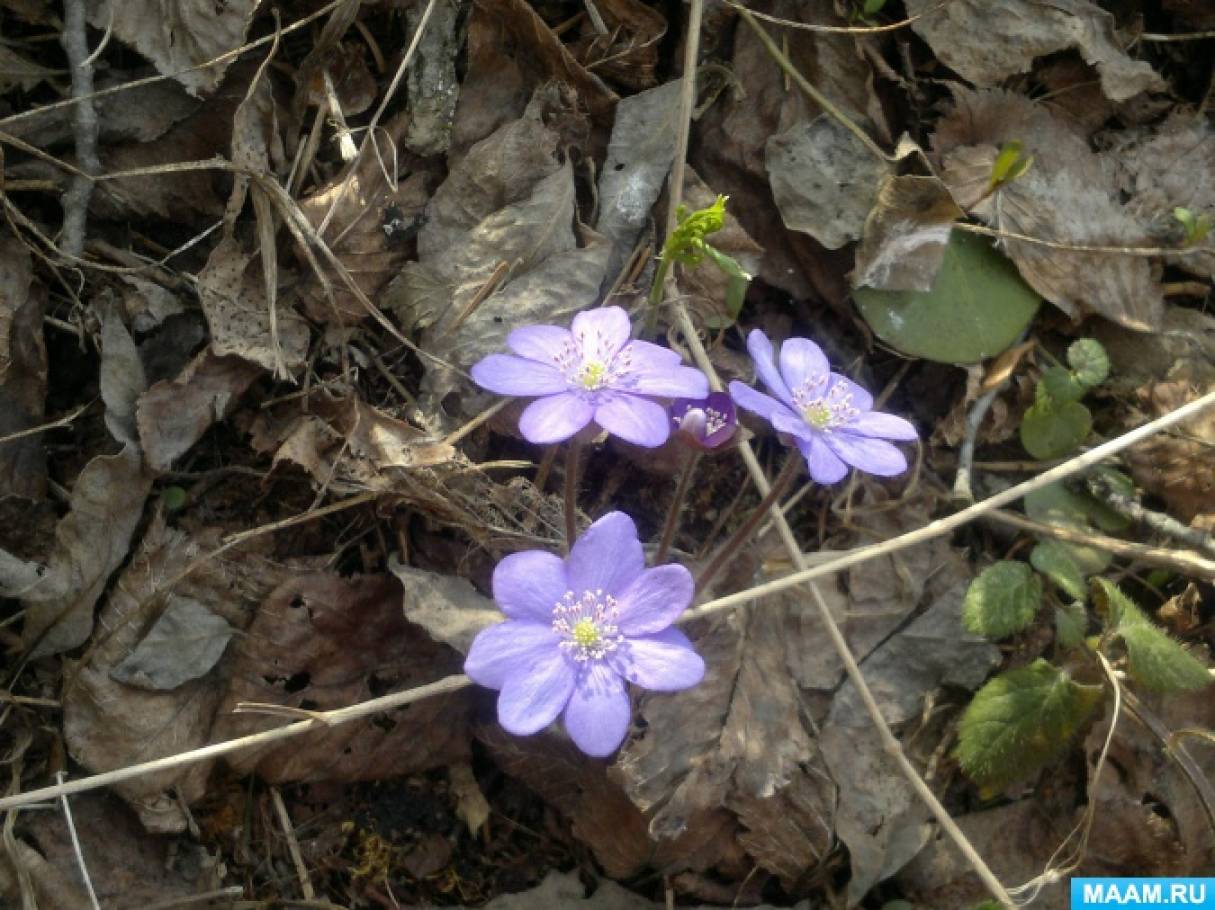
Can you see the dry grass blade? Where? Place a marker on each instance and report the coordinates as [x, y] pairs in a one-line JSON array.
[[859, 30]]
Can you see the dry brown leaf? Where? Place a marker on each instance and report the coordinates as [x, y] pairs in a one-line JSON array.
[[729, 143], [107, 500], [20, 72], [22, 373], [988, 42], [178, 34], [628, 53], [233, 294], [824, 179], [1069, 195], [363, 231], [174, 414], [321, 642], [446, 606], [905, 235], [1171, 166], [109, 724]]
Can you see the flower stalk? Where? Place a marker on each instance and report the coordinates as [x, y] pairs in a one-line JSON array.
[[671, 524], [744, 531], [573, 458]]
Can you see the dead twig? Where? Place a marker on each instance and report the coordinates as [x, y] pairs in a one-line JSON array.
[[859, 30], [71, 826], [1125, 505], [76, 199], [293, 844]]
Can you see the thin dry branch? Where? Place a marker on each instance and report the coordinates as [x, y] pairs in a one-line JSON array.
[[858, 30], [76, 199]]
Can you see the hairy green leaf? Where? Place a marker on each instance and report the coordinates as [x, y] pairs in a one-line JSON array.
[[1154, 660], [1055, 561], [1056, 505], [1089, 362], [739, 277], [1021, 720], [1051, 430], [1071, 622], [1057, 386], [1004, 599]]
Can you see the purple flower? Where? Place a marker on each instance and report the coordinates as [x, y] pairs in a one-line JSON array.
[[592, 372], [827, 415], [577, 629], [705, 423]]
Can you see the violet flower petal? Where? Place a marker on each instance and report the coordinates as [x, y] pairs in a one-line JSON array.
[[873, 455], [802, 361], [881, 426], [509, 649], [861, 399], [636, 420], [598, 714], [528, 585], [662, 662], [784, 422], [757, 402], [654, 599], [824, 465], [540, 342], [508, 375], [671, 382], [644, 357], [606, 557], [762, 353], [554, 418], [602, 332], [531, 700]]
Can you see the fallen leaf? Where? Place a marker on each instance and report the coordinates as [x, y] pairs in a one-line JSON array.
[[986, 44], [173, 414], [320, 642], [1069, 196], [627, 53], [109, 724], [824, 179], [638, 159], [107, 500], [23, 372], [446, 606], [20, 72], [906, 235], [233, 297], [179, 34], [184, 644]]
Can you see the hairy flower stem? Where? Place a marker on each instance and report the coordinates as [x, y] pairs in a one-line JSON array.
[[671, 525], [727, 550], [573, 456], [657, 292]]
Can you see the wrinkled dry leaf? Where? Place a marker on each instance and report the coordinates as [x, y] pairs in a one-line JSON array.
[[126, 866], [988, 42], [108, 724], [628, 53], [1069, 195], [92, 540], [233, 296], [184, 644], [1171, 167], [496, 86], [432, 81], [173, 414], [638, 159], [446, 606], [321, 642], [879, 816], [362, 231], [23, 373], [824, 179], [905, 235], [17, 71], [178, 34], [729, 144], [600, 814]]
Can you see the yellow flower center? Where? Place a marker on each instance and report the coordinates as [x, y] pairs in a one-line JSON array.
[[586, 633], [592, 375], [818, 415]]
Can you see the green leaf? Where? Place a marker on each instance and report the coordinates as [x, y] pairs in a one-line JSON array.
[[1057, 386], [1052, 430], [977, 307], [1054, 560], [1021, 720], [1009, 164], [873, 6], [174, 499], [1154, 660], [1071, 623], [1004, 599], [736, 288], [1196, 226], [687, 242], [1089, 362], [1056, 505]]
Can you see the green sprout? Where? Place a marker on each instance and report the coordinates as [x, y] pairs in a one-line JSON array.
[[1196, 227], [1010, 164]]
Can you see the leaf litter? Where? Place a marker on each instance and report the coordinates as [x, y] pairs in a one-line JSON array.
[[233, 500]]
